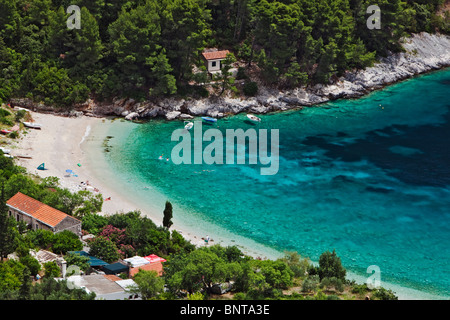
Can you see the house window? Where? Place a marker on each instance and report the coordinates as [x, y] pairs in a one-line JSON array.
[[214, 63]]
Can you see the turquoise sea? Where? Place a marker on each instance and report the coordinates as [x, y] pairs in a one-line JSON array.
[[369, 178]]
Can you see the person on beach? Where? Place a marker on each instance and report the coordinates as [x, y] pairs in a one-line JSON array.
[[207, 239]]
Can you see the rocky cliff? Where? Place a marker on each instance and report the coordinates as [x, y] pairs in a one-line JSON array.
[[423, 52]]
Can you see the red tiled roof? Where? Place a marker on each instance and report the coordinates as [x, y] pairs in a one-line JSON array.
[[112, 277], [156, 266], [215, 55], [37, 209]]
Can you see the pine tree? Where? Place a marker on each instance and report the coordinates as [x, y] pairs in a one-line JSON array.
[[167, 220]]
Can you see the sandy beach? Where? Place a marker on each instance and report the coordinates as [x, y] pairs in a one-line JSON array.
[[61, 145]]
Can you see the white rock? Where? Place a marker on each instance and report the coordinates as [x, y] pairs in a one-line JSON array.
[[132, 116], [172, 115]]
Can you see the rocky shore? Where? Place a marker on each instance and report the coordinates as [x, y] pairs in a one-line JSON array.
[[423, 52]]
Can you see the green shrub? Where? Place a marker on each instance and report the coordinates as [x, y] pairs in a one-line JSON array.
[[241, 74], [31, 263], [13, 135], [6, 121], [239, 296], [51, 269], [250, 88], [310, 284], [4, 112], [384, 294], [360, 288], [20, 114], [330, 266]]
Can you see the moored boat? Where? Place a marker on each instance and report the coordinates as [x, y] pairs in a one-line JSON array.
[[188, 125], [4, 150], [253, 118], [32, 125], [209, 119]]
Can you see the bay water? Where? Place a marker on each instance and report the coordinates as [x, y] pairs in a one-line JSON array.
[[369, 178]]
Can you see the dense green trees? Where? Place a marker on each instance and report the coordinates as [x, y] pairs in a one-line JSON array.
[[8, 233], [59, 242], [145, 49]]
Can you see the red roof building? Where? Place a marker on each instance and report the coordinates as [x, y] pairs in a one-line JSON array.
[[149, 263], [214, 58], [215, 55], [41, 216]]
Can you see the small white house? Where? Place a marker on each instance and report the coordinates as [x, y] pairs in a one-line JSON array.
[[213, 60]]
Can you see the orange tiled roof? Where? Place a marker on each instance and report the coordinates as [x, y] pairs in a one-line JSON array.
[[156, 266], [37, 209], [112, 277], [215, 55]]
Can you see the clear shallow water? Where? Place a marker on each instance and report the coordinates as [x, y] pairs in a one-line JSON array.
[[369, 178]]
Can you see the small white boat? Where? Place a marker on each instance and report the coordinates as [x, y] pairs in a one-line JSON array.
[[188, 125], [253, 118], [209, 119], [4, 150], [32, 125]]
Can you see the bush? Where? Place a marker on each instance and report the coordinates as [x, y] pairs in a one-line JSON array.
[[13, 135], [93, 222], [4, 112], [384, 294], [41, 238], [31, 263], [66, 241], [51, 269], [239, 296], [149, 284], [6, 121], [250, 88], [75, 259], [20, 114], [104, 249], [332, 282], [310, 284], [360, 288], [330, 266], [298, 265], [241, 74]]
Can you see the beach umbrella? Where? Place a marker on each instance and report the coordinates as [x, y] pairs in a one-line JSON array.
[[69, 171]]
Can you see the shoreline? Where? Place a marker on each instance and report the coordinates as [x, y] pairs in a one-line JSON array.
[[423, 53], [62, 143]]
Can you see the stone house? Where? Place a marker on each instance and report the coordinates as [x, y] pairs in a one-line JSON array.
[[41, 216], [213, 60]]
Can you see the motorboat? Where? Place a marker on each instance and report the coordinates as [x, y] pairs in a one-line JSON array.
[[32, 125], [209, 119], [4, 150], [253, 118], [188, 125]]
